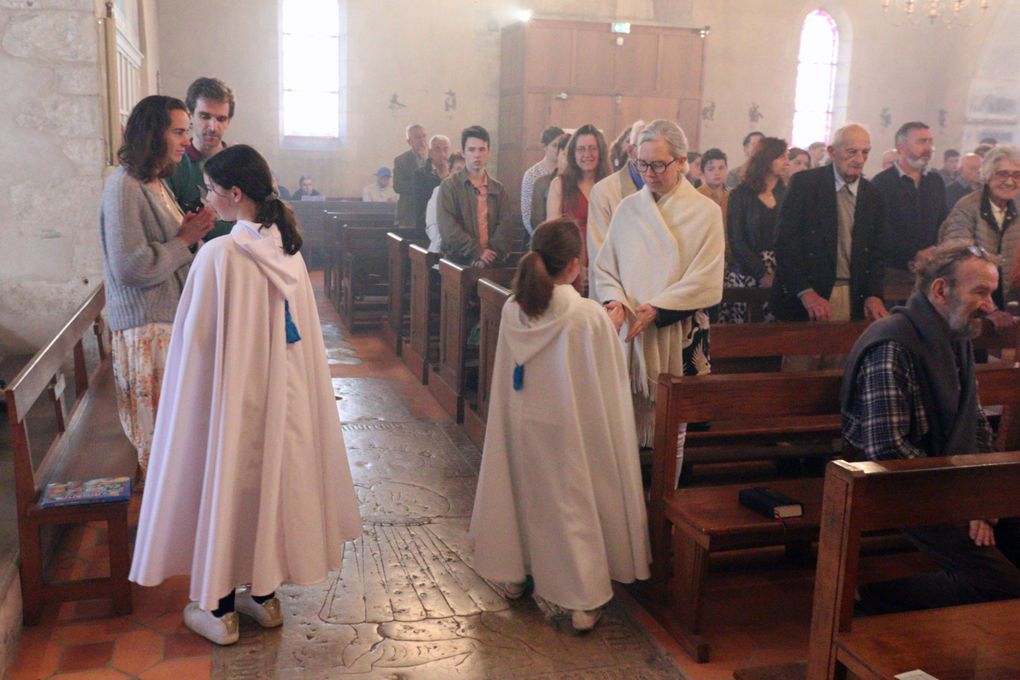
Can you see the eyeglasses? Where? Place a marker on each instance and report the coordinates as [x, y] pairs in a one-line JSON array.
[[657, 167], [1003, 175], [977, 251]]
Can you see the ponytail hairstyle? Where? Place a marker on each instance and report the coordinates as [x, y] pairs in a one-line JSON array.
[[243, 167], [554, 246]]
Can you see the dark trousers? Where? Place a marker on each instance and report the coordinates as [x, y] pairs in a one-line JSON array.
[[969, 573]]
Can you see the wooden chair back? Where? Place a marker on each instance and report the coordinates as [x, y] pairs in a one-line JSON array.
[[870, 496]]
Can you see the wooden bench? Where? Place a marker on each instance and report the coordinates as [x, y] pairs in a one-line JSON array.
[[754, 298], [697, 521], [421, 347], [365, 281], [760, 347], [492, 296], [398, 311], [311, 219], [89, 444], [458, 315], [952, 643], [351, 214]]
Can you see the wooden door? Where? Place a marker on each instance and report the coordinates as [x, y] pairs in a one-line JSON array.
[[577, 110]]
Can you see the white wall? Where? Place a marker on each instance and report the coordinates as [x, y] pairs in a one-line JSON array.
[[419, 50]]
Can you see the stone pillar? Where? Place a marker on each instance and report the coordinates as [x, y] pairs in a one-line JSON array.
[[51, 172]]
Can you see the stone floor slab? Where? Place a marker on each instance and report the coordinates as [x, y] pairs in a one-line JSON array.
[[407, 602]]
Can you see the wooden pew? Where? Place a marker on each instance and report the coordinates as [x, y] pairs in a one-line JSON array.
[[973, 641], [311, 217], [697, 521], [421, 347], [350, 214], [89, 444], [492, 297], [399, 304], [459, 313], [364, 291], [754, 298]]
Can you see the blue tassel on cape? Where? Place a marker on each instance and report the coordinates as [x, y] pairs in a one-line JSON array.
[[292, 332], [518, 377]]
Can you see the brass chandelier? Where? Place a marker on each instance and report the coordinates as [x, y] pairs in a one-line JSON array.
[[946, 12]]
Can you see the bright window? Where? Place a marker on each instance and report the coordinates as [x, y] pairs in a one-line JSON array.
[[816, 79], [313, 57]]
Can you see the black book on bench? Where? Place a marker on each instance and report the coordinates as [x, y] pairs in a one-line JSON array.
[[770, 503]]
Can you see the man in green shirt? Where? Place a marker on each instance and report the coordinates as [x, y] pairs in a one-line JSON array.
[[211, 104]]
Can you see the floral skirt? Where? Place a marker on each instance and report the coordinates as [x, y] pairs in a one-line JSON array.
[[139, 356], [736, 312]]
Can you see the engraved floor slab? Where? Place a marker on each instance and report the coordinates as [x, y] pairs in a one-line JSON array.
[[407, 603]]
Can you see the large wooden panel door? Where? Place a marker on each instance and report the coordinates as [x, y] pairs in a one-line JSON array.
[[576, 110], [688, 116], [548, 60], [680, 64], [635, 66], [594, 58]]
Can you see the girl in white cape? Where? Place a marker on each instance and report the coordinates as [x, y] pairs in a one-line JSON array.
[[559, 494], [248, 480]]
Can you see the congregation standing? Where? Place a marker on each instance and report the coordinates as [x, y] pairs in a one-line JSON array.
[[630, 248]]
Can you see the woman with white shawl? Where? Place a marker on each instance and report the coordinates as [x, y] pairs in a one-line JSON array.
[[248, 479], [660, 267], [559, 493]]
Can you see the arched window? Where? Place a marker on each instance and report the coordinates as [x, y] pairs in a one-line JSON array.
[[313, 57], [816, 79]]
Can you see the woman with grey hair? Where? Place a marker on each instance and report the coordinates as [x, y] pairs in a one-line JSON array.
[[987, 217], [660, 267]]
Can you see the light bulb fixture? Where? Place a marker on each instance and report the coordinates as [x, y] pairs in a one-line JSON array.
[[946, 12]]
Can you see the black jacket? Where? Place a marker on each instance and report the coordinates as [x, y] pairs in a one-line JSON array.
[[913, 216], [425, 180], [752, 229], [808, 236]]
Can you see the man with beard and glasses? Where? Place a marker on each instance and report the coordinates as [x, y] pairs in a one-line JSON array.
[[909, 392], [210, 104], [914, 198]]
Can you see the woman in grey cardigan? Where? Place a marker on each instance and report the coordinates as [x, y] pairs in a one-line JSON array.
[[988, 218], [147, 242]]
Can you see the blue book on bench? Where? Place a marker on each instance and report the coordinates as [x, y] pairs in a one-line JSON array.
[[102, 490]]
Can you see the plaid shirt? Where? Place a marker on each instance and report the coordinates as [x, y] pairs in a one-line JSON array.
[[887, 417]]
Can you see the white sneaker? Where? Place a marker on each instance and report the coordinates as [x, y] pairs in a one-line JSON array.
[[222, 630], [267, 614], [583, 621]]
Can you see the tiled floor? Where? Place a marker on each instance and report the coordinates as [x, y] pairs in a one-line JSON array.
[[757, 608]]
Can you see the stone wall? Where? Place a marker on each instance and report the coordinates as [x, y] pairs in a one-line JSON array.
[[51, 137]]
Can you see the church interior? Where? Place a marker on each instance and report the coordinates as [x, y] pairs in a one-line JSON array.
[[330, 91]]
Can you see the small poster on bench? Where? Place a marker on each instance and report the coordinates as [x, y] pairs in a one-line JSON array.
[[102, 490]]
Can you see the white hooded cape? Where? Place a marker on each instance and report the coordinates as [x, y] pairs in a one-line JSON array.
[[248, 480], [602, 202], [559, 494], [670, 255]]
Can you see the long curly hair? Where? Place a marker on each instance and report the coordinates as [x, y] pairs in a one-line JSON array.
[[144, 151], [759, 165]]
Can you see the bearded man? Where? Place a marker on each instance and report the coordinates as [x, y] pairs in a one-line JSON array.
[[909, 392]]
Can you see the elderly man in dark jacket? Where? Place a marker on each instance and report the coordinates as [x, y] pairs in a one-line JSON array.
[[828, 262]]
